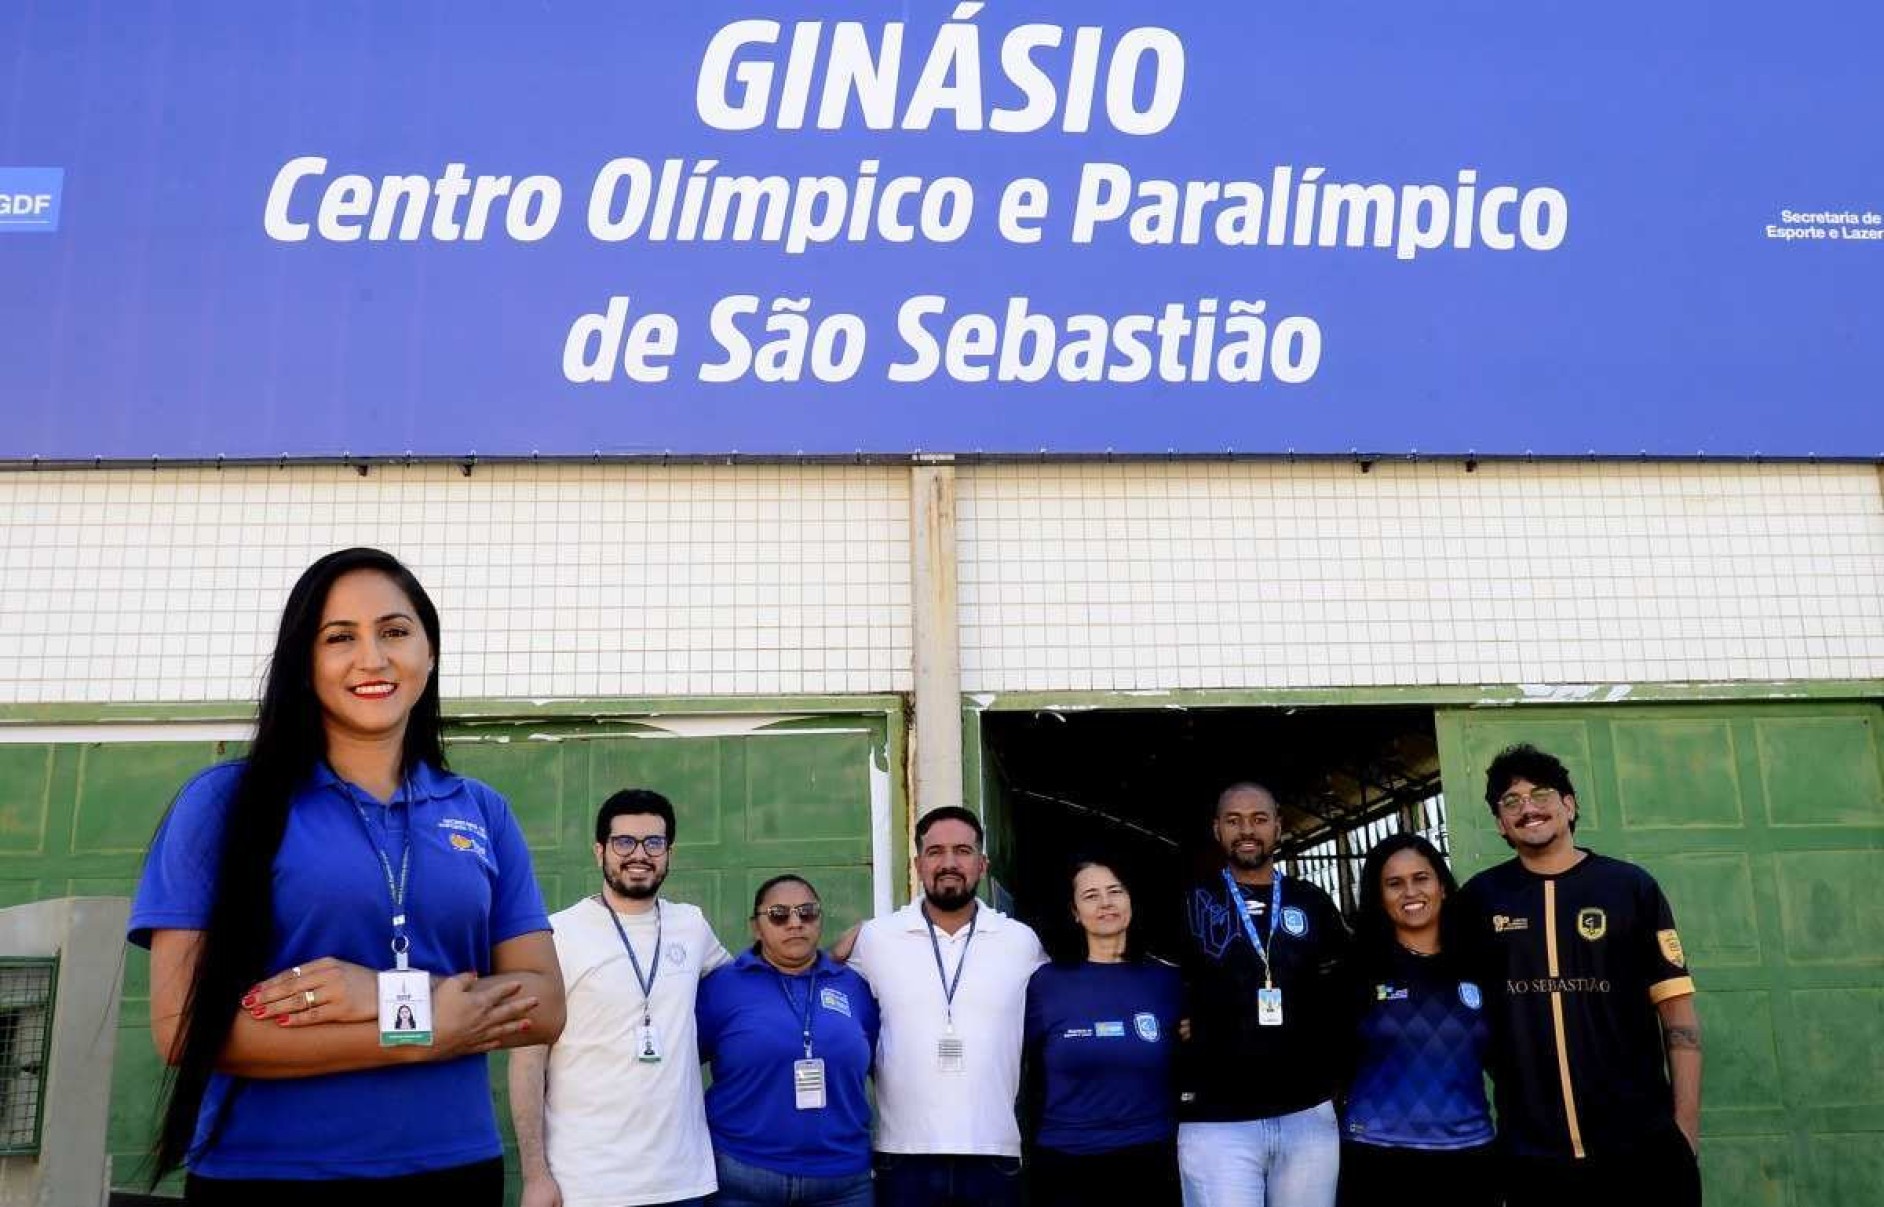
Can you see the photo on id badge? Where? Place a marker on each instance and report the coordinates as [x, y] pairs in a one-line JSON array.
[[405, 1008]]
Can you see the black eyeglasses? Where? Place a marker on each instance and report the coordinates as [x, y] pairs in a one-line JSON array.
[[625, 844], [779, 915]]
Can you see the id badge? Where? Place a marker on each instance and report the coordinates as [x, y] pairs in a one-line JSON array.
[[808, 1083], [647, 1044], [405, 1008], [949, 1057], [1269, 1007]]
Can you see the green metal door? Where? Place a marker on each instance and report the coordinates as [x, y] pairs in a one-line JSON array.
[[1765, 825]]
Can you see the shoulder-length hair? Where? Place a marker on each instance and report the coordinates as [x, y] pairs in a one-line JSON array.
[[290, 741], [1065, 940]]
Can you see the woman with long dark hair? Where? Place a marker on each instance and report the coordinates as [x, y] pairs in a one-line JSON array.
[[1415, 1115], [1100, 1049], [340, 862]]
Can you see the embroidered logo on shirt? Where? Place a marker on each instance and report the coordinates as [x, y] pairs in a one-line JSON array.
[[1592, 924], [1294, 921], [834, 999], [1470, 996], [1109, 1030], [464, 842], [1671, 947], [1145, 1025], [468, 827], [1076, 1033], [675, 954], [1390, 993], [1504, 923]]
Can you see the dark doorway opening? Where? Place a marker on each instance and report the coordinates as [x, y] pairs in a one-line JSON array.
[[1140, 787]]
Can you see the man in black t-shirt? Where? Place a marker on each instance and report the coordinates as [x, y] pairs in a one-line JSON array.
[[1597, 1049], [1264, 954]]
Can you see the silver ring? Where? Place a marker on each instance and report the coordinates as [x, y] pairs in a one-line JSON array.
[[297, 972], [308, 995]]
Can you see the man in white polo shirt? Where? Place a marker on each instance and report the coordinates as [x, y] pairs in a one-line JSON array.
[[950, 975]]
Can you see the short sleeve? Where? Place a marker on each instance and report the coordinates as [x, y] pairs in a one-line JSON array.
[[716, 954], [516, 901], [1034, 1025], [860, 951], [1660, 947], [869, 1017], [709, 1013], [178, 884]]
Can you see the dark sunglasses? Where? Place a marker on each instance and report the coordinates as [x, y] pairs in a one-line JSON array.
[[779, 915]]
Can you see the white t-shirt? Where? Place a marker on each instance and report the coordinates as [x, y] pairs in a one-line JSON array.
[[618, 1131], [921, 1109]]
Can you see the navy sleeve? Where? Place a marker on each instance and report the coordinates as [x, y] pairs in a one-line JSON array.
[[1659, 945], [709, 1011]]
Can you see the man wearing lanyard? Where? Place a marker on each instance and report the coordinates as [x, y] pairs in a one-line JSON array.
[[950, 975], [1264, 957], [613, 1114]]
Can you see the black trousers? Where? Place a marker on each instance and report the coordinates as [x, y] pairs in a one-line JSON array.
[[1144, 1175], [1375, 1176], [480, 1184], [1662, 1170]]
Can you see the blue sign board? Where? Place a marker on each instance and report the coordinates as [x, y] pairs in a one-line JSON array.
[[1007, 226]]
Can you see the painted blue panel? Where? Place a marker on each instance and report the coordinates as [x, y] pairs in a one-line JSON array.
[[1598, 226]]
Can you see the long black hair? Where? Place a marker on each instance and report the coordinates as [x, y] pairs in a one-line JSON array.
[[1372, 926], [290, 741]]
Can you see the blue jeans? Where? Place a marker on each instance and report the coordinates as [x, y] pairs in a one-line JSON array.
[[743, 1185], [1288, 1161], [947, 1180]]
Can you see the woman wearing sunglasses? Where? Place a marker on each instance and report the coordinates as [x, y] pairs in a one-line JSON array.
[[790, 1034]]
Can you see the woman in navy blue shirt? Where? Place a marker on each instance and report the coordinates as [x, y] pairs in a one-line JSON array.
[[1100, 1048], [1416, 1115], [791, 1035]]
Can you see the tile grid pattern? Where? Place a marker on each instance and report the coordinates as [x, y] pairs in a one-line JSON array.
[[702, 580], [160, 586], [1156, 576]]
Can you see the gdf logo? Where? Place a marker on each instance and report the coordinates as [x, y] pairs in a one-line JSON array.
[[29, 198]]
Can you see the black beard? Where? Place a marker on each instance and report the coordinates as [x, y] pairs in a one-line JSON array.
[[950, 900], [634, 892], [1251, 862]]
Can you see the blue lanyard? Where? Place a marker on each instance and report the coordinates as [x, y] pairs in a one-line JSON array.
[[791, 1000], [654, 968], [948, 986], [1249, 928], [396, 889]]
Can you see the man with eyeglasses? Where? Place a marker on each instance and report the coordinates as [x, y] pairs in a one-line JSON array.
[[950, 975], [612, 1115], [1597, 1049]]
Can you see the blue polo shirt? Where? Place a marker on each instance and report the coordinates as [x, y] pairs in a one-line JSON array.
[[1101, 1040], [470, 888], [751, 1019]]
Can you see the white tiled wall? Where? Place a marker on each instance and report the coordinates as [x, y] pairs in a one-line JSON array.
[[565, 581], [1254, 574], [551, 581]]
